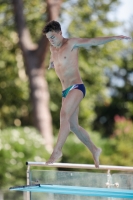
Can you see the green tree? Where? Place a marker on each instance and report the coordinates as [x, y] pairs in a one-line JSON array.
[[120, 85], [18, 145], [117, 150], [123, 134], [13, 82]]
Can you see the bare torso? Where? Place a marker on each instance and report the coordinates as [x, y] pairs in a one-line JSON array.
[[66, 63]]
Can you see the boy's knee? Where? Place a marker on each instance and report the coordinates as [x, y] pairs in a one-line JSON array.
[[63, 114]]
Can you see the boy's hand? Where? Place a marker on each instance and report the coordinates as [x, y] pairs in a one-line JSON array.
[[121, 37]]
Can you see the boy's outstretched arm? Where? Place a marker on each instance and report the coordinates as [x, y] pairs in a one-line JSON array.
[[87, 42]]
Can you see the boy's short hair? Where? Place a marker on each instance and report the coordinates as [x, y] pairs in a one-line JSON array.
[[52, 26]]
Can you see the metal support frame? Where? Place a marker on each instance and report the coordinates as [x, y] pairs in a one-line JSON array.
[[28, 181]]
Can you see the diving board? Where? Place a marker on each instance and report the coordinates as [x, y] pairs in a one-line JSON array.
[[73, 190]]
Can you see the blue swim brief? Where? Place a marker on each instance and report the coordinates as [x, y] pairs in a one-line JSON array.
[[75, 86]]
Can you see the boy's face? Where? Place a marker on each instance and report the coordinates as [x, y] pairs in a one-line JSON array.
[[54, 38]]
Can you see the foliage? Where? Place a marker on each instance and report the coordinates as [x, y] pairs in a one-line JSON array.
[[120, 87], [123, 134], [14, 93], [36, 16], [18, 145], [117, 150]]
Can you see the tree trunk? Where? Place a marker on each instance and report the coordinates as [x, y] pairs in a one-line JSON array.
[[34, 56], [40, 101]]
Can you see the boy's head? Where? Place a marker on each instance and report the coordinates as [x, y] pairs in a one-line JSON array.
[[52, 26], [52, 30]]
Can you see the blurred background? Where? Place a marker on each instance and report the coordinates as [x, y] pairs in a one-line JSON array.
[[30, 95]]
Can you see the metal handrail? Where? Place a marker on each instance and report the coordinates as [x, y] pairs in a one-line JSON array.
[[80, 166]]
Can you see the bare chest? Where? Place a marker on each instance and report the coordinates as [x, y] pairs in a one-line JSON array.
[[62, 55], [65, 59]]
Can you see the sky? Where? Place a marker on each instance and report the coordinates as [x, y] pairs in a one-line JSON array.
[[123, 14], [125, 10]]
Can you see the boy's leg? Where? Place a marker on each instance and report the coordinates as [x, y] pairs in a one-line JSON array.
[[70, 103], [84, 137]]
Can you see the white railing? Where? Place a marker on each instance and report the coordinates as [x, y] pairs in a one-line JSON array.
[[81, 166]]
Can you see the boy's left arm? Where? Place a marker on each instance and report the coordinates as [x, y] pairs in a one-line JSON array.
[[87, 42]]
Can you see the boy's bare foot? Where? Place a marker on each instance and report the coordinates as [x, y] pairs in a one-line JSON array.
[[54, 157], [96, 155]]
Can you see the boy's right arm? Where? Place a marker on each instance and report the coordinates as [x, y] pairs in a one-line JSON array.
[[51, 63]]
